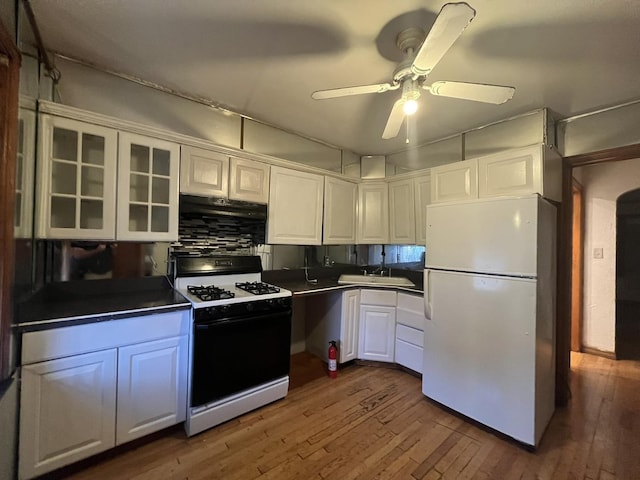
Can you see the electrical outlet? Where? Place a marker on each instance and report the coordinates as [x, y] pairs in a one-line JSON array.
[[598, 253]]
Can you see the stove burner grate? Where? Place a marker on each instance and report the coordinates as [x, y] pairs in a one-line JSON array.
[[257, 288], [209, 292]]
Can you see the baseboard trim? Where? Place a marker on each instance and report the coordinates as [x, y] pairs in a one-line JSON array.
[[599, 353]]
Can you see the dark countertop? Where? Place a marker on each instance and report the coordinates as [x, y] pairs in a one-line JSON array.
[[85, 301], [327, 280]]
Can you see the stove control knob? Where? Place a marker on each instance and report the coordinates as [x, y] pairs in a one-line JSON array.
[[250, 307]]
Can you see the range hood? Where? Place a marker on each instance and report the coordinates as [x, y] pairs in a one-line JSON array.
[[210, 206]]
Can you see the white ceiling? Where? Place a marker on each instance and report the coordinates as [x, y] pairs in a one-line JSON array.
[[264, 58]]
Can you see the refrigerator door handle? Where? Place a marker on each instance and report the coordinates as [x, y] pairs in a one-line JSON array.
[[427, 295]]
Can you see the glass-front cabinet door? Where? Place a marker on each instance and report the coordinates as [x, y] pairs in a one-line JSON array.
[[76, 180], [25, 167], [147, 189]]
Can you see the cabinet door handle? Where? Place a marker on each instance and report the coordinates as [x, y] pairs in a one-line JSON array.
[[427, 294]]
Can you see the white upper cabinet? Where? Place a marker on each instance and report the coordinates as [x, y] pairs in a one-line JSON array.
[[373, 213], [295, 207], [533, 169], [340, 199], [76, 180], [402, 215], [147, 189], [248, 181], [454, 181], [422, 191], [203, 172]]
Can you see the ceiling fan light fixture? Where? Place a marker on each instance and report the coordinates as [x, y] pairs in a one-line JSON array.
[[410, 107]]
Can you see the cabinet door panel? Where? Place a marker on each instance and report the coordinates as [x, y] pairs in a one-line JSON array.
[[148, 191], [402, 220], [76, 179], [377, 333], [454, 181], [68, 409], [249, 181], [295, 207], [152, 390], [340, 199], [373, 213], [349, 325], [422, 190], [203, 172]]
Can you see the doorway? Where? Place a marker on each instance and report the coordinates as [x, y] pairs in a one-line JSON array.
[[628, 276]]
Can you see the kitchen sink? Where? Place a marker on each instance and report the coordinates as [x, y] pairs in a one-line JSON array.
[[375, 280]]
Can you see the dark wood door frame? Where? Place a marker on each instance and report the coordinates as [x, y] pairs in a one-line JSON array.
[[563, 336], [9, 84], [577, 266]]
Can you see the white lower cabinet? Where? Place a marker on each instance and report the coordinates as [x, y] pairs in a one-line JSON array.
[[349, 325], [151, 391], [67, 412], [76, 402], [377, 325]]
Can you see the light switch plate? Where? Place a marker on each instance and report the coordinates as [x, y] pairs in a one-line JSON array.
[[598, 253]]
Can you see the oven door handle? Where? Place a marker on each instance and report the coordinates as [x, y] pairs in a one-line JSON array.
[[233, 320]]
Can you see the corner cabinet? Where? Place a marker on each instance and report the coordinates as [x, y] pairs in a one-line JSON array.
[[88, 388], [147, 189], [295, 207], [340, 199], [402, 215], [76, 179], [373, 213], [203, 172], [248, 181]]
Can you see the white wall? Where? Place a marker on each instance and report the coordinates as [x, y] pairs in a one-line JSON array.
[[603, 184]]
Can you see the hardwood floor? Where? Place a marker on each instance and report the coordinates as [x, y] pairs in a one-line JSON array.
[[375, 423]]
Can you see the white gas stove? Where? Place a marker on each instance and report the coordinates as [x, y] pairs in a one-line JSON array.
[[241, 338]]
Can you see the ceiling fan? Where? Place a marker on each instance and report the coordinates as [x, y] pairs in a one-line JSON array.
[[421, 56]]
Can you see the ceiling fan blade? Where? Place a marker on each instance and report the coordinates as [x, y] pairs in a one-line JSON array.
[[451, 22], [358, 90], [478, 92], [396, 117]]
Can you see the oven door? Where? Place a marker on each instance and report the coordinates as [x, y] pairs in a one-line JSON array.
[[234, 354]]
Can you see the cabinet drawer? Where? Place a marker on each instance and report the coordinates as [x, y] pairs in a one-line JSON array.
[[409, 356], [410, 335], [66, 341], [378, 297]]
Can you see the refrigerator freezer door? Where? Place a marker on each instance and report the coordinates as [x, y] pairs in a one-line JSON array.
[[491, 236], [480, 348]]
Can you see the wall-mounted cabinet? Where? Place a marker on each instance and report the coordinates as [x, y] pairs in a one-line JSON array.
[[422, 191], [454, 182], [76, 180], [373, 213], [203, 172], [533, 169], [295, 207], [147, 189], [402, 215], [248, 181], [340, 200], [83, 166]]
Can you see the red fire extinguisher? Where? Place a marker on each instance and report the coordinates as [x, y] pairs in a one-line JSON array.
[[333, 359]]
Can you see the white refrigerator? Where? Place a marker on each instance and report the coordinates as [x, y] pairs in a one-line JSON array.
[[489, 339]]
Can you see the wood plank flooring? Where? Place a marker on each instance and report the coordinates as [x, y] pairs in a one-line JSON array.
[[374, 423]]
